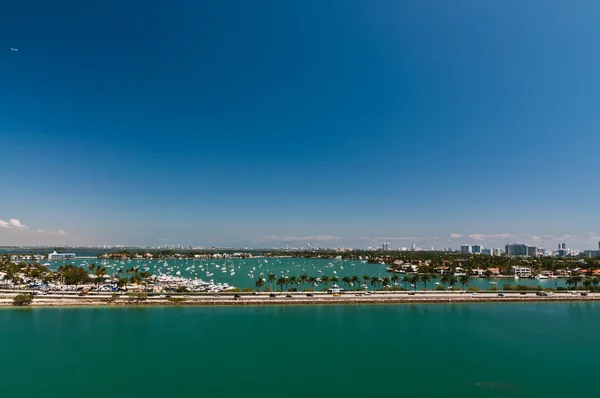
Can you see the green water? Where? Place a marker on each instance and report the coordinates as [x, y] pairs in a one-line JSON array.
[[470, 350]]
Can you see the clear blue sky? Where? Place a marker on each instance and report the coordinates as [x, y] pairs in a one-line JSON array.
[[259, 123]]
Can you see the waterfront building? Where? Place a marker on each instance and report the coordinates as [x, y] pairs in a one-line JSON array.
[[522, 272], [476, 249], [516, 249], [61, 256], [465, 249]]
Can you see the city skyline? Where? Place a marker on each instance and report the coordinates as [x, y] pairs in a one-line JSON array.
[[272, 123]]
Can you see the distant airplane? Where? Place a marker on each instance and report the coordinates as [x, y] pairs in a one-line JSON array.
[[14, 49]]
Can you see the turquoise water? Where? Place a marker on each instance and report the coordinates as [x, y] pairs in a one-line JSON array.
[[247, 270], [470, 350]]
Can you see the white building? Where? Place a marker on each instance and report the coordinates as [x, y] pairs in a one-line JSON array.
[[522, 272], [61, 256]]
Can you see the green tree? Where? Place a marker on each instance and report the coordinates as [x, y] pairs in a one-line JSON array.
[[260, 282], [271, 278], [293, 281], [303, 279], [414, 280], [452, 280], [21, 300], [463, 280], [314, 281], [355, 281], [281, 282], [405, 280], [425, 278], [325, 279], [386, 283], [374, 282]]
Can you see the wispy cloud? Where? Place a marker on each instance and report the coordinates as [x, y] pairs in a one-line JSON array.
[[455, 236], [481, 237], [395, 238], [16, 224], [320, 238]]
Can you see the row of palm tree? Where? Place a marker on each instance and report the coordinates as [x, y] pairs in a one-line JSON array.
[[386, 282], [588, 283]]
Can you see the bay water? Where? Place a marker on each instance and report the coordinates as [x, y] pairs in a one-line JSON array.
[[451, 350]]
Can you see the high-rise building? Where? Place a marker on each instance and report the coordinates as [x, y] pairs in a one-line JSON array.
[[465, 249], [516, 249], [532, 251], [562, 246], [476, 249], [385, 246], [487, 252], [496, 252], [413, 247]]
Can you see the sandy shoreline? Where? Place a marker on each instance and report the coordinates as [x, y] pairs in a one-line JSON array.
[[348, 299]]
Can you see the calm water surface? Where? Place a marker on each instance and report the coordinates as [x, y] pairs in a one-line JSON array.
[[470, 350]]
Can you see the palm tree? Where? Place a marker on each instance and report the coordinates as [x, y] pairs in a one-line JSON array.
[[405, 280], [595, 282], [260, 282], [334, 279], [280, 282], [100, 272], [444, 280], [587, 282], [463, 280], [386, 282], [414, 279], [355, 281], [292, 280], [313, 280], [325, 279], [395, 278], [374, 282], [271, 278], [346, 281], [365, 278], [425, 278], [303, 279], [452, 280]]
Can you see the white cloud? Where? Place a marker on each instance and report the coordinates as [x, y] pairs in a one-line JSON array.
[[391, 238], [61, 232], [455, 236], [481, 237], [4, 224], [299, 238], [16, 223]]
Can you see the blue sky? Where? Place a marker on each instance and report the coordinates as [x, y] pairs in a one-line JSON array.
[[271, 123]]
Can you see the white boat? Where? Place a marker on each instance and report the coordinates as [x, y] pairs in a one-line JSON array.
[[541, 277]]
